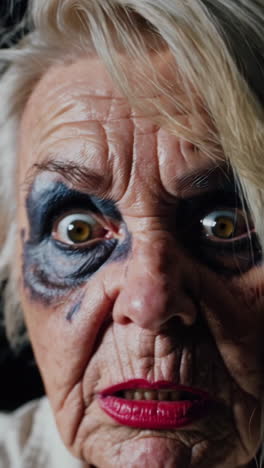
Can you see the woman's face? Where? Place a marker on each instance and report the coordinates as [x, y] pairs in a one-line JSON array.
[[136, 270]]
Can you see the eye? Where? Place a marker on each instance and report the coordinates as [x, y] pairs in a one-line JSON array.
[[226, 225], [78, 228]]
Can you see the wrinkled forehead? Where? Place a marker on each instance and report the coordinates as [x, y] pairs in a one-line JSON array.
[[78, 92], [84, 91], [86, 81], [76, 113]]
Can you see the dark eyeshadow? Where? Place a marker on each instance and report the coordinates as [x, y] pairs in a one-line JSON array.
[[51, 269]]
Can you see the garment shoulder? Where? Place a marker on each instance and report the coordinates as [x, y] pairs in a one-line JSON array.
[[15, 432], [29, 439]]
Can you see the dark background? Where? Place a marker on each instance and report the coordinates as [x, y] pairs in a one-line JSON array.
[[11, 13], [19, 378]]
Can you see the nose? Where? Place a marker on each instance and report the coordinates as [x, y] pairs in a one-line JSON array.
[[155, 287]]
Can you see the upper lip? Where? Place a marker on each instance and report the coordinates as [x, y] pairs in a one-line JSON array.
[[159, 385]]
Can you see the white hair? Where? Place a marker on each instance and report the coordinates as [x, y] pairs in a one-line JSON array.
[[217, 47], [214, 44]]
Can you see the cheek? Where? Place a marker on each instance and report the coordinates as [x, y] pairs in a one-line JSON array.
[[238, 302], [248, 292], [252, 295], [234, 315], [64, 336]]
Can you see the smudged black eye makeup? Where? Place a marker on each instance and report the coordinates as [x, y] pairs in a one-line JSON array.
[[46, 205], [219, 232], [71, 236]]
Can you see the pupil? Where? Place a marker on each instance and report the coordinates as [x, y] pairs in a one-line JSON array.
[[224, 228], [79, 231]]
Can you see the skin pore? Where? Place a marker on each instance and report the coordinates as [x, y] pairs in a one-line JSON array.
[[153, 294]]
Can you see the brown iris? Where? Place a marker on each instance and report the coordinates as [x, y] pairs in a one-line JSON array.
[[224, 227], [79, 231]]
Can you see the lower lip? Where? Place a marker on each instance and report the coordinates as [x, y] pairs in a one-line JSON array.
[[154, 414]]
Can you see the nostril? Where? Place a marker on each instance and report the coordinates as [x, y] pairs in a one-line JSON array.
[[174, 322], [124, 320], [153, 309], [153, 289]]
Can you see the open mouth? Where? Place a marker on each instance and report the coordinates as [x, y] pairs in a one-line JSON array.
[[160, 405], [141, 394]]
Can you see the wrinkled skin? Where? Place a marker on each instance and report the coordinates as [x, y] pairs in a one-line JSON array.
[[156, 312]]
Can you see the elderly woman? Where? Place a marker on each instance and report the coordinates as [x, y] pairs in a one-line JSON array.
[[131, 153]]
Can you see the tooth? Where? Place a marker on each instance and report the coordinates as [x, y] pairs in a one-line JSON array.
[[163, 396], [175, 395], [150, 395], [138, 395], [129, 395]]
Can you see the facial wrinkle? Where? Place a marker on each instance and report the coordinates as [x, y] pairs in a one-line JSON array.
[[54, 120], [165, 367], [150, 353], [51, 120], [131, 173], [144, 144], [87, 138], [36, 260], [70, 346], [74, 310], [118, 356]]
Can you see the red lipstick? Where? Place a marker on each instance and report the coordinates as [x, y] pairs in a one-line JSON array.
[[159, 405]]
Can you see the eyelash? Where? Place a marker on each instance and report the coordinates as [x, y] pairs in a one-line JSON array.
[[225, 257], [238, 218], [192, 210], [207, 250], [57, 210], [95, 256]]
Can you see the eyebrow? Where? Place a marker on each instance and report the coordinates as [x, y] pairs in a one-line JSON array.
[[220, 177], [80, 176]]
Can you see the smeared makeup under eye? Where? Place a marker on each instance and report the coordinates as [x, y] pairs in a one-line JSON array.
[[50, 266], [230, 256]]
